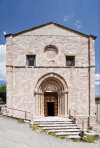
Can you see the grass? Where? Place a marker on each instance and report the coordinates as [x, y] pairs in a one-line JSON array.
[[31, 126], [36, 128], [21, 121], [61, 137], [78, 140], [51, 133], [44, 131], [54, 134], [90, 139]]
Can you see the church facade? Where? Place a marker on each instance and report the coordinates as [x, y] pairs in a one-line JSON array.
[[50, 70]]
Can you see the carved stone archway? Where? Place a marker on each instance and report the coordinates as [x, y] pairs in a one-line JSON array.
[[50, 83]]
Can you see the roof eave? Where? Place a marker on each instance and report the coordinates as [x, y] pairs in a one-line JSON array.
[[94, 37], [33, 28], [7, 35]]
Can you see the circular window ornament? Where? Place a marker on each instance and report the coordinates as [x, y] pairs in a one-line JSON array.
[[50, 52]]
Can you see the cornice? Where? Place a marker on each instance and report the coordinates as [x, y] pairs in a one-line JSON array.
[[49, 66]]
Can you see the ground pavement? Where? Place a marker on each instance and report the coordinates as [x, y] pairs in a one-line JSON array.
[[16, 135]]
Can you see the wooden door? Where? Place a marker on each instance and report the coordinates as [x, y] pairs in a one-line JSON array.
[[50, 97], [55, 108]]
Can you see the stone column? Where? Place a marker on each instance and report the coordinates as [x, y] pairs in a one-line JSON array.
[[65, 105], [58, 105], [36, 104], [42, 105], [39, 104]]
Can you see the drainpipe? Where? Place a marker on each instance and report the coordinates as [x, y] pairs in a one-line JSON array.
[[89, 77]]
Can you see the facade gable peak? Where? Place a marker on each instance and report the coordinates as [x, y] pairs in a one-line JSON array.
[[50, 29]]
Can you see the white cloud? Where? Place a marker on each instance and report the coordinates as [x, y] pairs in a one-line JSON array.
[[97, 83], [68, 17], [3, 62], [65, 19], [78, 24], [97, 76], [4, 32]]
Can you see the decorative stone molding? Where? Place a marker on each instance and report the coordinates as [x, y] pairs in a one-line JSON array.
[[38, 93], [50, 66], [63, 92], [54, 78]]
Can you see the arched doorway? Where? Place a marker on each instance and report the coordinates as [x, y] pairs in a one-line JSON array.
[[51, 97]]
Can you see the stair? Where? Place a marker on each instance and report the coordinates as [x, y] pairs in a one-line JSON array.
[[60, 126]]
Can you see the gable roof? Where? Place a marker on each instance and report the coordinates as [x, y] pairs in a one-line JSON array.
[[37, 27]]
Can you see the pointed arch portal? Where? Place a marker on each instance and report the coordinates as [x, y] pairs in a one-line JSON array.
[[51, 96]]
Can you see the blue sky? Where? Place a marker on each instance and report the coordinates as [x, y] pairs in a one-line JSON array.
[[18, 15]]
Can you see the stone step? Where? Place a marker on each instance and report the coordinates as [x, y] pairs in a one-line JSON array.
[[74, 137], [68, 133], [58, 125], [45, 123], [65, 130], [52, 128], [4, 114], [9, 115], [52, 119]]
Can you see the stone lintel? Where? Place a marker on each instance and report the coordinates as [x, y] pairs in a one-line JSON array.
[[64, 92], [38, 93]]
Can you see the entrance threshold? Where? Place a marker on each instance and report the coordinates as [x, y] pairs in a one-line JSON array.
[[51, 118]]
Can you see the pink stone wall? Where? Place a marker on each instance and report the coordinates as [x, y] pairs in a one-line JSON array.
[[21, 81], [23, 45], [25, 79]]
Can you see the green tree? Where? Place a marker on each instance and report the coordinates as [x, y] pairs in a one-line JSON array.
[[3, 92]]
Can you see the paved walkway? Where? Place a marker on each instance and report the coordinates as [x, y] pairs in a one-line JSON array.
[[16, 135]]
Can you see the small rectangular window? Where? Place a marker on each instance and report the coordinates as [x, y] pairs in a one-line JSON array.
[[70, 60], [31, 60]]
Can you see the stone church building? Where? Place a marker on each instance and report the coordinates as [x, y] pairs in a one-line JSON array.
[[50, 70]]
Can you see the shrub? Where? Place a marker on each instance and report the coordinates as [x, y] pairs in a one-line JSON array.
[[90, 127], [3, 92], [71, 117], [0, 99], [82, 134]]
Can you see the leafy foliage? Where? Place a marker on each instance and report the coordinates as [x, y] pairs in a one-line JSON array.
[[21, 121], [90, 139], [3, 92], [0, 99]]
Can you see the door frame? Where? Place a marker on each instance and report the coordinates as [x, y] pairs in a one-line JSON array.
[[50, 97]]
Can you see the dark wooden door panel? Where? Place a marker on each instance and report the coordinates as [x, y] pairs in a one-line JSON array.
[[55, 108]]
